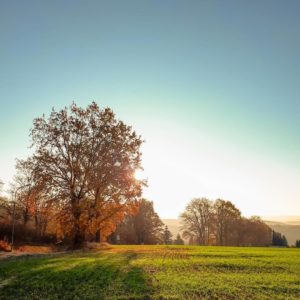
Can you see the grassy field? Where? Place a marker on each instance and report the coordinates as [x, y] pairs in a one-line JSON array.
[[156, 272]]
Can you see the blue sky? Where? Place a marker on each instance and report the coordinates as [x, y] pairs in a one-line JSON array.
[[213, 87]]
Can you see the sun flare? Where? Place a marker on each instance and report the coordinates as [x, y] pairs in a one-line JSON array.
[[139, 174]]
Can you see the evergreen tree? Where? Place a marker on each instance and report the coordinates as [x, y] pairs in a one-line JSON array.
[[167, 236], [178, 240], [279, 240], [284, 241]]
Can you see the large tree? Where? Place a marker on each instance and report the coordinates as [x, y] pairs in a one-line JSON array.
[[85, 159]]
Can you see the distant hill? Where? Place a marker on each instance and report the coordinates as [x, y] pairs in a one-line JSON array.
[[290, 220], [289, 226], [292, 232]]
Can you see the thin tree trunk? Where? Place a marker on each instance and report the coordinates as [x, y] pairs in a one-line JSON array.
[[98, 236]]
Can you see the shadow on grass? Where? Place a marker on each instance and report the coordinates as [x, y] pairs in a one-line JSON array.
[[79, 276]]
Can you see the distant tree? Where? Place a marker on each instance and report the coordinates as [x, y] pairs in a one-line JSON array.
[[220, 223], [191, 237], [297, 244], [178, 240], [254, 232], [278, 239], [2, 200], [85, 159], [227, 218], [23, 191], [284, 241], [147, 223], [142, 227], [32, 210], [167, 236], [4, 210], [198, 220]]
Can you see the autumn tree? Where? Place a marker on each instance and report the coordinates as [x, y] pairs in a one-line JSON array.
[[22, 192], [198, 220], [167, 236], [85, 159]]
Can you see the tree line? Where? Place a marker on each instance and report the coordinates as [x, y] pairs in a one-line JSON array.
[[206, 222], [79, 185]]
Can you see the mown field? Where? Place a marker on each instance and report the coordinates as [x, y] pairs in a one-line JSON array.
[[155, 272]]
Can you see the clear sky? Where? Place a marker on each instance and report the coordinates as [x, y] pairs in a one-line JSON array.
[[212, 86]]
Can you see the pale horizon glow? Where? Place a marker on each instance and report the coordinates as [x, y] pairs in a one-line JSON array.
[[180, 169]]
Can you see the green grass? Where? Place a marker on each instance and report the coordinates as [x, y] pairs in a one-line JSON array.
[[156, 272]]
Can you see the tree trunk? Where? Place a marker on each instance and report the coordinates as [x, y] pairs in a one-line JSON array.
[[78, 238], [78, 234], [98, 236]]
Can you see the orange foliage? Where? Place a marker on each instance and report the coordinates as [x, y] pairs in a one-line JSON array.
[[111, 215]]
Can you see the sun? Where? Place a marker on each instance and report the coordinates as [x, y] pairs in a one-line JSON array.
[[139, 174]]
